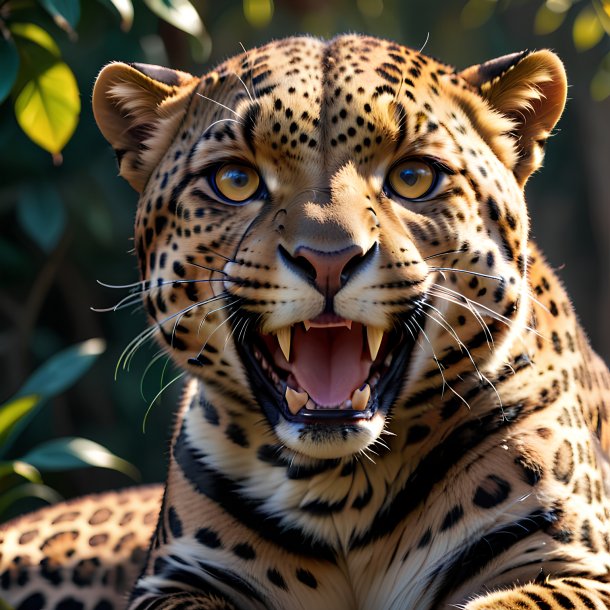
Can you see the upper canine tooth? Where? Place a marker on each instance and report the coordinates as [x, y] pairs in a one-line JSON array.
[[284, 337], [360, 398], [307, 325], [295, 400], [374, 335]]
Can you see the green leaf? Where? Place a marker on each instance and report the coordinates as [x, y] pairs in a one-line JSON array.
[[63, 369], [48, 106], [12, 412], [47, 102], [477, 12], [27, 471], [125, 10], [180, 13], [547, 20], [72, 452], [258, 13], [28, 490], [41, 215], [9, 60], [65, 13], [51, 378], [34, 33], [587, 30], [5, 606]]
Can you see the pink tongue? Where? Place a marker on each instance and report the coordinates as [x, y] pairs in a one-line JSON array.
[[329, 363]]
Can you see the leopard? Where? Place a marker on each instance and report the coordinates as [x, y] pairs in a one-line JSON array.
[[389, 402]]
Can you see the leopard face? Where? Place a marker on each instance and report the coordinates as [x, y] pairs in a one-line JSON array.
[[325, 229]]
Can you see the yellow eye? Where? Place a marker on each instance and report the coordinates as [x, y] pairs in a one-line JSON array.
[[412, 179], [236, 182]]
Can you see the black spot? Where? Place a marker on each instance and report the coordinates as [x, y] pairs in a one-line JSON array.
[[159, 565], [160, 222], [36, 601], [175, 525], [586, 536], [494, 211], [85, 571], [200, 360], [50, 572], [452, 517], [491, 492], [103, 604], [208, 537], [249, 122], [564, 535], [562, 600], [148, 236], [425, 539], [563, 466], [259, 78], [364, 498], [387, 76], [307, 578], [556, 343], [237, 434], [532, 471], [244, 551], [69, 603], [417, 433], [191, 292], [5, 579], [276, 578], [534, 597], [179, 269]]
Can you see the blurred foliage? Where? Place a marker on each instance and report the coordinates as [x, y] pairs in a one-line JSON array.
[[21, 477], [64, 228]]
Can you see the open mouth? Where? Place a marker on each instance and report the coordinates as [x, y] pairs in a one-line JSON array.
[[326, 370]]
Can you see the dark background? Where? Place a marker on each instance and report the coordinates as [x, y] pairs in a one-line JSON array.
[[46, 297]]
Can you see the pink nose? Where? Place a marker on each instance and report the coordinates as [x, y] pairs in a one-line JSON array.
[[329, 270]]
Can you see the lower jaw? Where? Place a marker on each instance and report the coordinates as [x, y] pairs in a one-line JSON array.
[[331, 440]]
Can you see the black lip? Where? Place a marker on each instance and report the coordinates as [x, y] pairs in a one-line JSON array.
[[382, 398]]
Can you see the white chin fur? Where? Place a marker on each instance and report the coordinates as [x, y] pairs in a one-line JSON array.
[[328, 442]]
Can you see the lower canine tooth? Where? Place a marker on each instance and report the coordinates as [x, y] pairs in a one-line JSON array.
[[360, 398], [295, 400]]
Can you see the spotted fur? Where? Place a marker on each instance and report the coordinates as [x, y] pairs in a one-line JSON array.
[[477, 475]]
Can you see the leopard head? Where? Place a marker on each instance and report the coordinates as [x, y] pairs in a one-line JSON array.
[[330, 230]]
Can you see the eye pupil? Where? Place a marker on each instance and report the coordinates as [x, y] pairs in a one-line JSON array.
[[237, 177], [408, 176]]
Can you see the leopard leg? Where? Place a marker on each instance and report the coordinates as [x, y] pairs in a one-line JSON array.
[[553, 594]]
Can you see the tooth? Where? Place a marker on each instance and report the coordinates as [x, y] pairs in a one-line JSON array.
[[307, 325], [283, 338], [295, 400], [360, 398], [374, 335], [348, 323]]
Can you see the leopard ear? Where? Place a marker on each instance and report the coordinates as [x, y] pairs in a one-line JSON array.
[[529, 88], [138, 109]]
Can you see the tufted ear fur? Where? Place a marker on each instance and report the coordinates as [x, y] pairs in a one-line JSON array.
[[529, 89], [139, 108]]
